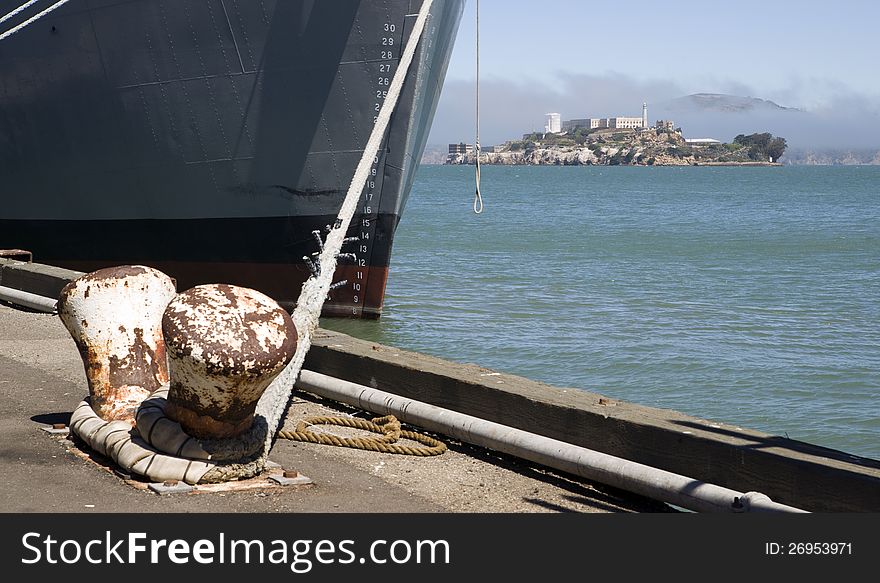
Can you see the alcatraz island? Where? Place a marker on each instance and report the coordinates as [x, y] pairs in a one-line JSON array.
[[622, 141]]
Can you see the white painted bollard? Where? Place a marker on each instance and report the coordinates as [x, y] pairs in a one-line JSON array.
[[225, 345], [115, 317]]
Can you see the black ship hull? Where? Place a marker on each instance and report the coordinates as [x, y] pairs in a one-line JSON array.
[[210, 138]]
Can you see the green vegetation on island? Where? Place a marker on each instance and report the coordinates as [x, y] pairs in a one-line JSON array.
[[762, 146], [654, 146]]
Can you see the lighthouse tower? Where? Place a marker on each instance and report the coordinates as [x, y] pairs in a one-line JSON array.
[[645, 114]]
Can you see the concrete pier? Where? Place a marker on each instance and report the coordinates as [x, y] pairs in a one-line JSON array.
[[38, 360]]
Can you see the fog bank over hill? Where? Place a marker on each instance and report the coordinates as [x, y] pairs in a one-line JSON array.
[[850, 123], [845, 121], [722, 103]]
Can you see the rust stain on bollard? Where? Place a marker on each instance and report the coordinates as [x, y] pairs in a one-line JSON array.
[[115, 316], [225, 345]]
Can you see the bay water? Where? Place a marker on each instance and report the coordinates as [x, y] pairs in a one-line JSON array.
[[741, 295]]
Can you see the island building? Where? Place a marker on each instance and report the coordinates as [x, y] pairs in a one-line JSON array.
[[461, 148], [592, 123], [665, 124], [460, 153], [554, 124]]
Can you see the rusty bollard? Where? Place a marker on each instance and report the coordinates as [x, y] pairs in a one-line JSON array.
[[225, 345], [115, 317]]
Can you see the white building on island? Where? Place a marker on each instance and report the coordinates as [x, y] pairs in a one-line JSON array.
[[554, 124], [593, 123]]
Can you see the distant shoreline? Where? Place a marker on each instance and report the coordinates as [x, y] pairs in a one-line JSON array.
[[489, 160], [755, 164], [437, 155], [733, 164], [656, 146]]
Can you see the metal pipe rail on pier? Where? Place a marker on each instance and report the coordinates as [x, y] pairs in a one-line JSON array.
[[28, 300], [620, 473]]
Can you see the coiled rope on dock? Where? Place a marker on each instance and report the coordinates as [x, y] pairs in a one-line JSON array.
[[388, 426]]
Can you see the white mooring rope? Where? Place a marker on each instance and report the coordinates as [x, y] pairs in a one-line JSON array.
[[315, 289], [18, 10], [30, 20]]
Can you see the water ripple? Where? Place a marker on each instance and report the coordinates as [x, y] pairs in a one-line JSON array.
[[745, 295]]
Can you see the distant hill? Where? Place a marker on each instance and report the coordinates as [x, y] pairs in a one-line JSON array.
[[721, 116], [846, 135], [719, 102]]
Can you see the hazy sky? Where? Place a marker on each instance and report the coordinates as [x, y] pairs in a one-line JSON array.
[[567, 55]]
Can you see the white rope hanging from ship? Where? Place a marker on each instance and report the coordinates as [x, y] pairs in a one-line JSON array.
[[478, 196]]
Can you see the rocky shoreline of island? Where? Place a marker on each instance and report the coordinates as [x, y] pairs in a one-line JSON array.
[[632, 147]]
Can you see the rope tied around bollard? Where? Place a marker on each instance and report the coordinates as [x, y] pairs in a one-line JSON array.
[[388, 426], [224, 448]]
